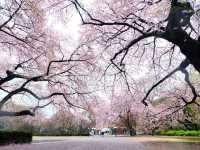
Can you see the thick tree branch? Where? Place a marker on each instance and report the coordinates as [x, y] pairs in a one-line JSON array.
[[14, 114]]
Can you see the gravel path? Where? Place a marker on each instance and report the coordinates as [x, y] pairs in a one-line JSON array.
[[103, 143]]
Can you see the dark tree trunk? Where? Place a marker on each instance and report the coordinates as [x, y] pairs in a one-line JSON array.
[[178, 21], [132, 131], [188, 46]]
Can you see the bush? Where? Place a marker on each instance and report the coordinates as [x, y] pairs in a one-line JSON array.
[[73, 131], [9, 137], [179, 132]]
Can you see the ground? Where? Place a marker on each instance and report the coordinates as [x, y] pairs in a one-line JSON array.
[[109, 143]]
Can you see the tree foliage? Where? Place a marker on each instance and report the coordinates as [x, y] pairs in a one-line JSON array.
[[154, 32], [36, 68]]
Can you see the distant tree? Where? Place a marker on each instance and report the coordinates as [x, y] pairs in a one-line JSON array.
[[127, 112], [190, 118]]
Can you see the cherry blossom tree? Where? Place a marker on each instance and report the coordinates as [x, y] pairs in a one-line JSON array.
[[123, 40], [126, 111], [36, 68], [152, 34]]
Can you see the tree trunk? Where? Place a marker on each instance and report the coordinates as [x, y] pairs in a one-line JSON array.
[[132, 131]]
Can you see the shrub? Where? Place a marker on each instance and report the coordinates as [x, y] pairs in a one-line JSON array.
[[179, 132], [9, 137], [73, 131]]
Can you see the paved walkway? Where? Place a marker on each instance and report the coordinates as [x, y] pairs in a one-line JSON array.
[[103, 143]]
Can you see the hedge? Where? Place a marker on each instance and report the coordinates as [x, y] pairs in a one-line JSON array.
[[14, 137], [179, 132], [62, 133], [79, 131]]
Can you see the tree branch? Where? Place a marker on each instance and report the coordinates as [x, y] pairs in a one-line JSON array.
[[14, 114], [182, 66]]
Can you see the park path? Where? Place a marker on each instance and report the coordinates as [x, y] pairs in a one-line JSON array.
[[103, 143]]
